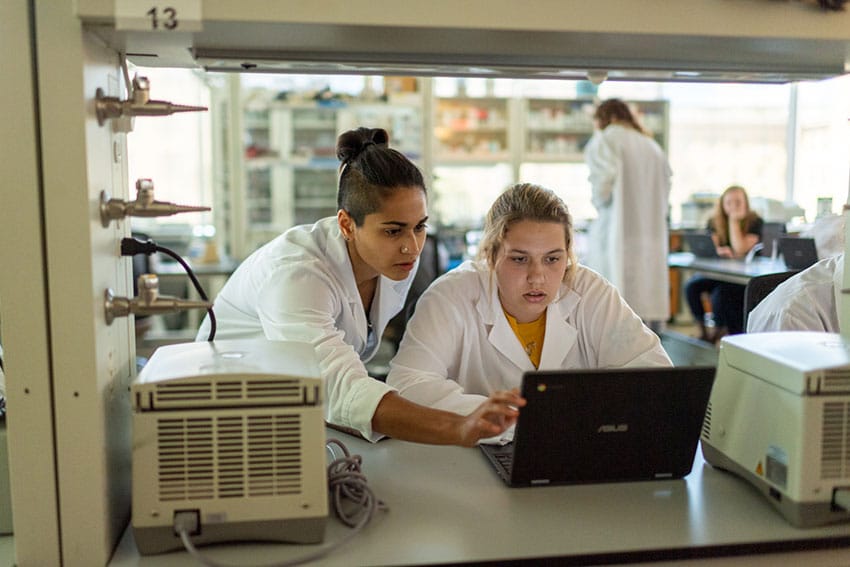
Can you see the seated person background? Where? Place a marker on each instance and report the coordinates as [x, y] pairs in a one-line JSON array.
[[525, 304], [735, 229], [807, 301]]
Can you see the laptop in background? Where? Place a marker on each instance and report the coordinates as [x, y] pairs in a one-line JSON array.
[[799, 253], [701, 245], [771, 232], [605, 425]]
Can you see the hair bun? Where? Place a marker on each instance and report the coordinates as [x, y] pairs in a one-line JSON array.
[[380, 136], [351, 144]]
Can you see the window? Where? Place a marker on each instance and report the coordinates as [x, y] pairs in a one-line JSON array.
[[783, 143], [821, 169]]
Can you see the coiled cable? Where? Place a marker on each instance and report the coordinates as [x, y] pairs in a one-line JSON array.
[[346, 482]]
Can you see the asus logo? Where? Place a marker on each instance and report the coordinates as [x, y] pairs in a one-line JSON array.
[[611, 428]]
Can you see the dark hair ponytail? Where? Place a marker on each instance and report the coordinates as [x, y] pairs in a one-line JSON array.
[[353, 142], [370, 170]]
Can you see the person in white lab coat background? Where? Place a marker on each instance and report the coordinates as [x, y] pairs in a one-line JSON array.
[[808, 301], [628, 241], [336, 284], [525, 304]]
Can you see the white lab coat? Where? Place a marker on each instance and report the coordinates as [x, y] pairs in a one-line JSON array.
[[807, 301], [300, 286], [459, 347], [628, 242]]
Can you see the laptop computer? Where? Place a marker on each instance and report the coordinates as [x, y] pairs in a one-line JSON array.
[[771, 232], [605, 425], [799, 253], [701, 245]]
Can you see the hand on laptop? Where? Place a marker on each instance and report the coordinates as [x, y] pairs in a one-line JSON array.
[[492, 417]]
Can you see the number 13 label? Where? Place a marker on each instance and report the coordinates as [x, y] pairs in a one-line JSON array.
[[166, 16]]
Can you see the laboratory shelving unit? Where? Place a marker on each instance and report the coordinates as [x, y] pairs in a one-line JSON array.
[[288, 170]]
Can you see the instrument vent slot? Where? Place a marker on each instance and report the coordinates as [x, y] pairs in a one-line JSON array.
[[229, 457], [836, 381], [835, 441], [226, 393]]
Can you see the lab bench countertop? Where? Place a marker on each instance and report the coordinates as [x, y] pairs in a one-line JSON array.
[[737, 271], [447, 505]]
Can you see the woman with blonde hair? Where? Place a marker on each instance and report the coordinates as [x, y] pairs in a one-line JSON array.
[[735, 229], [525, 304]]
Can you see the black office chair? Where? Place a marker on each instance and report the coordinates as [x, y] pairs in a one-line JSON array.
[[433, 262], [759, 287]]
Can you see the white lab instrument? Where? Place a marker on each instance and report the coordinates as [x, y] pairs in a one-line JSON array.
[[230, 433], [779, 416], [774, 210], [698, 210]]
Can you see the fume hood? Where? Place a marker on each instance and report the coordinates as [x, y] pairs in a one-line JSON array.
[[71, 370], [752, 41]]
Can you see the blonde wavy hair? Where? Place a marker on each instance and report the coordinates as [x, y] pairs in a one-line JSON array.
[[526, 201]]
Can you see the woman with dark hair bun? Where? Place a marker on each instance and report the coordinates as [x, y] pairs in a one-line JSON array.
[[336, 284]]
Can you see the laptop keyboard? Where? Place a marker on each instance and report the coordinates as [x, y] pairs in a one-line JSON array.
[[506, 460]]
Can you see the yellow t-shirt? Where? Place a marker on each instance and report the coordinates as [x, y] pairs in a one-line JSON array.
[[530, 336]]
